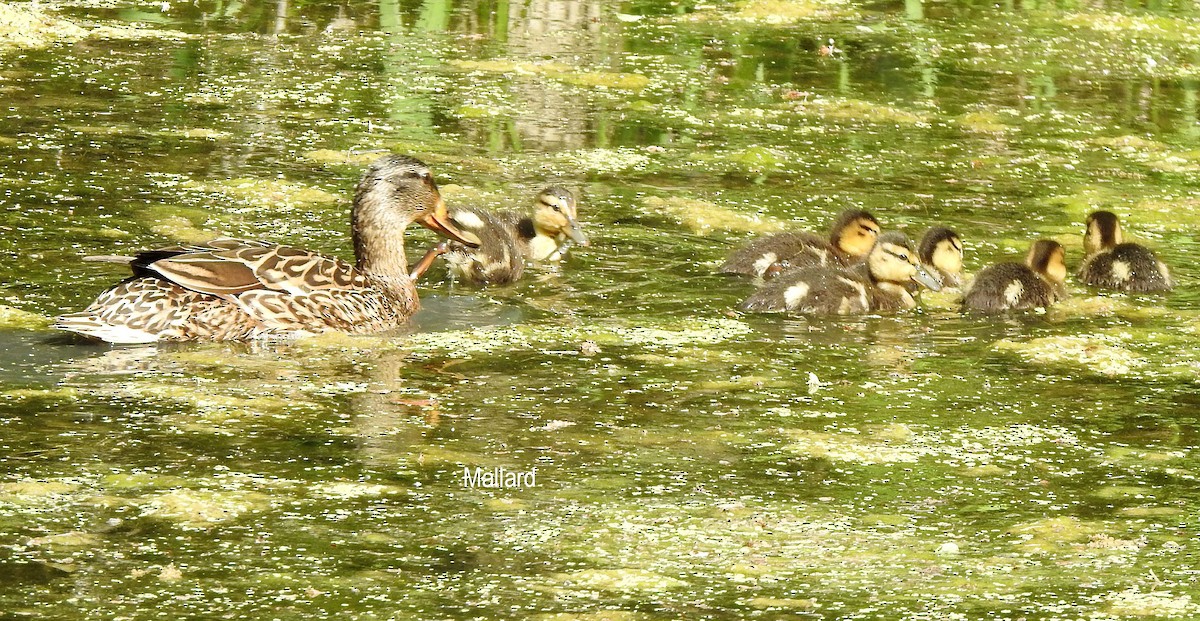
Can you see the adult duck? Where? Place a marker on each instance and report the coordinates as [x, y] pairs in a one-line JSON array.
[[234, 289]]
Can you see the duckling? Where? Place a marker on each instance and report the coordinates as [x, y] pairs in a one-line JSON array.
[[879, 285], [941, 253], [851, 237], [1015, 286], [1113, 264], [508, 239]]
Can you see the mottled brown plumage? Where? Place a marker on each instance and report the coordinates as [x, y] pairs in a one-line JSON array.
[[849, 241], [233, 289]]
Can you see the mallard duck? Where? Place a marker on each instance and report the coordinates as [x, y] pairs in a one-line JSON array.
[[878, 285], [1015, 286], [234, 289], [508, 239], [850, 238], [1113, 264], [941, 253]]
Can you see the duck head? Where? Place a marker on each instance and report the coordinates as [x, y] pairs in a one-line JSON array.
[[1103, 232], [894, 260], [942, 250], [854, 232], [1049, 259], [555, 216]]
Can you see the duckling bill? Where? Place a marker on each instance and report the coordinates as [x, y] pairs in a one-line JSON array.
[[879, 285], [1112, 263], [236, 289], [1039, 282]]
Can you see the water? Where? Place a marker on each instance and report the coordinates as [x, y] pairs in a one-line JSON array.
[[700, 464]]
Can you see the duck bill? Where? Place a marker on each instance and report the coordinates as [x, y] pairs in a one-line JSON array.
[[927, 280], [576, 234], [438, 221]]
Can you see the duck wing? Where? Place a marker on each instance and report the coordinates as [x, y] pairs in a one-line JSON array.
[[231, 267]]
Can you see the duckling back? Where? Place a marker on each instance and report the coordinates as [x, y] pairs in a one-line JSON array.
[[497, 260], [779, 252], [1126, 267], [1007, 286], [816, 289]]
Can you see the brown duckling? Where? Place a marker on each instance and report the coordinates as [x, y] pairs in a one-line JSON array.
[[941, 252], [878, 285], [1113, 264], [1015, 286], [508, 239], [851, 237], [233, 289]]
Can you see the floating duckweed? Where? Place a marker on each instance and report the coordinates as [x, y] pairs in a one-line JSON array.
[[1156, 26], [971, 448], [37, 489], [15, 318], [704, 217], [780, 603], [23, 26], [273, 193], [180, 224], [1095, 353], [627, 580], [1053, 533], [984, 122], [66, 393], [197, 509], [349, 158], [604, 161], [346, 490], [791, 11], [558, 71], [1133, 601], [74, 539], [849, 109]]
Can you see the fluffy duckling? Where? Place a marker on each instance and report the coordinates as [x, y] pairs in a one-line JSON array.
[[851, 237], [879, 285], [1015, 286], [507, 239], [1113, 264], [941, 253]]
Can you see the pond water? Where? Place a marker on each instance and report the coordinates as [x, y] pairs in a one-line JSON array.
[[701, 464]]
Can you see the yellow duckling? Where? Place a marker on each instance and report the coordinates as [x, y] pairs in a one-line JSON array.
[[879, 285], [941, 252], [1039, 282], [508, 239], [1113, 264], [851, 237], [233, 289]]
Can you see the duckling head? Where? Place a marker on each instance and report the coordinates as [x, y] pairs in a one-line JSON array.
[[1103, 232], [895, 261], [554, 215], [942, 249], [854, 232], [1049, 259]]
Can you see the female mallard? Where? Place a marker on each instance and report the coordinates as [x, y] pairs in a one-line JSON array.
[[1113, 264], [941, 253], [232, 289], [507, 239], [850, 238], [1015, 286], [879, 285]]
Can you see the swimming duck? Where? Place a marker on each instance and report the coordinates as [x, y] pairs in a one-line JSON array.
[[508, 239], [851, 237], [234, 289], [1113, 264], [879, 285], [941, 253], [1015, 286]]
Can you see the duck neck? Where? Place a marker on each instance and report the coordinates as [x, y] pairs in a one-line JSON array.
[[379, 243]]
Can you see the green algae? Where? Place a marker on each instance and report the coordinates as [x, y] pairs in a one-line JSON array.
[[15, 318], [790, 11], [626, 580], [199, 509], [1096, 354], [26, 27], [274, 193]]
